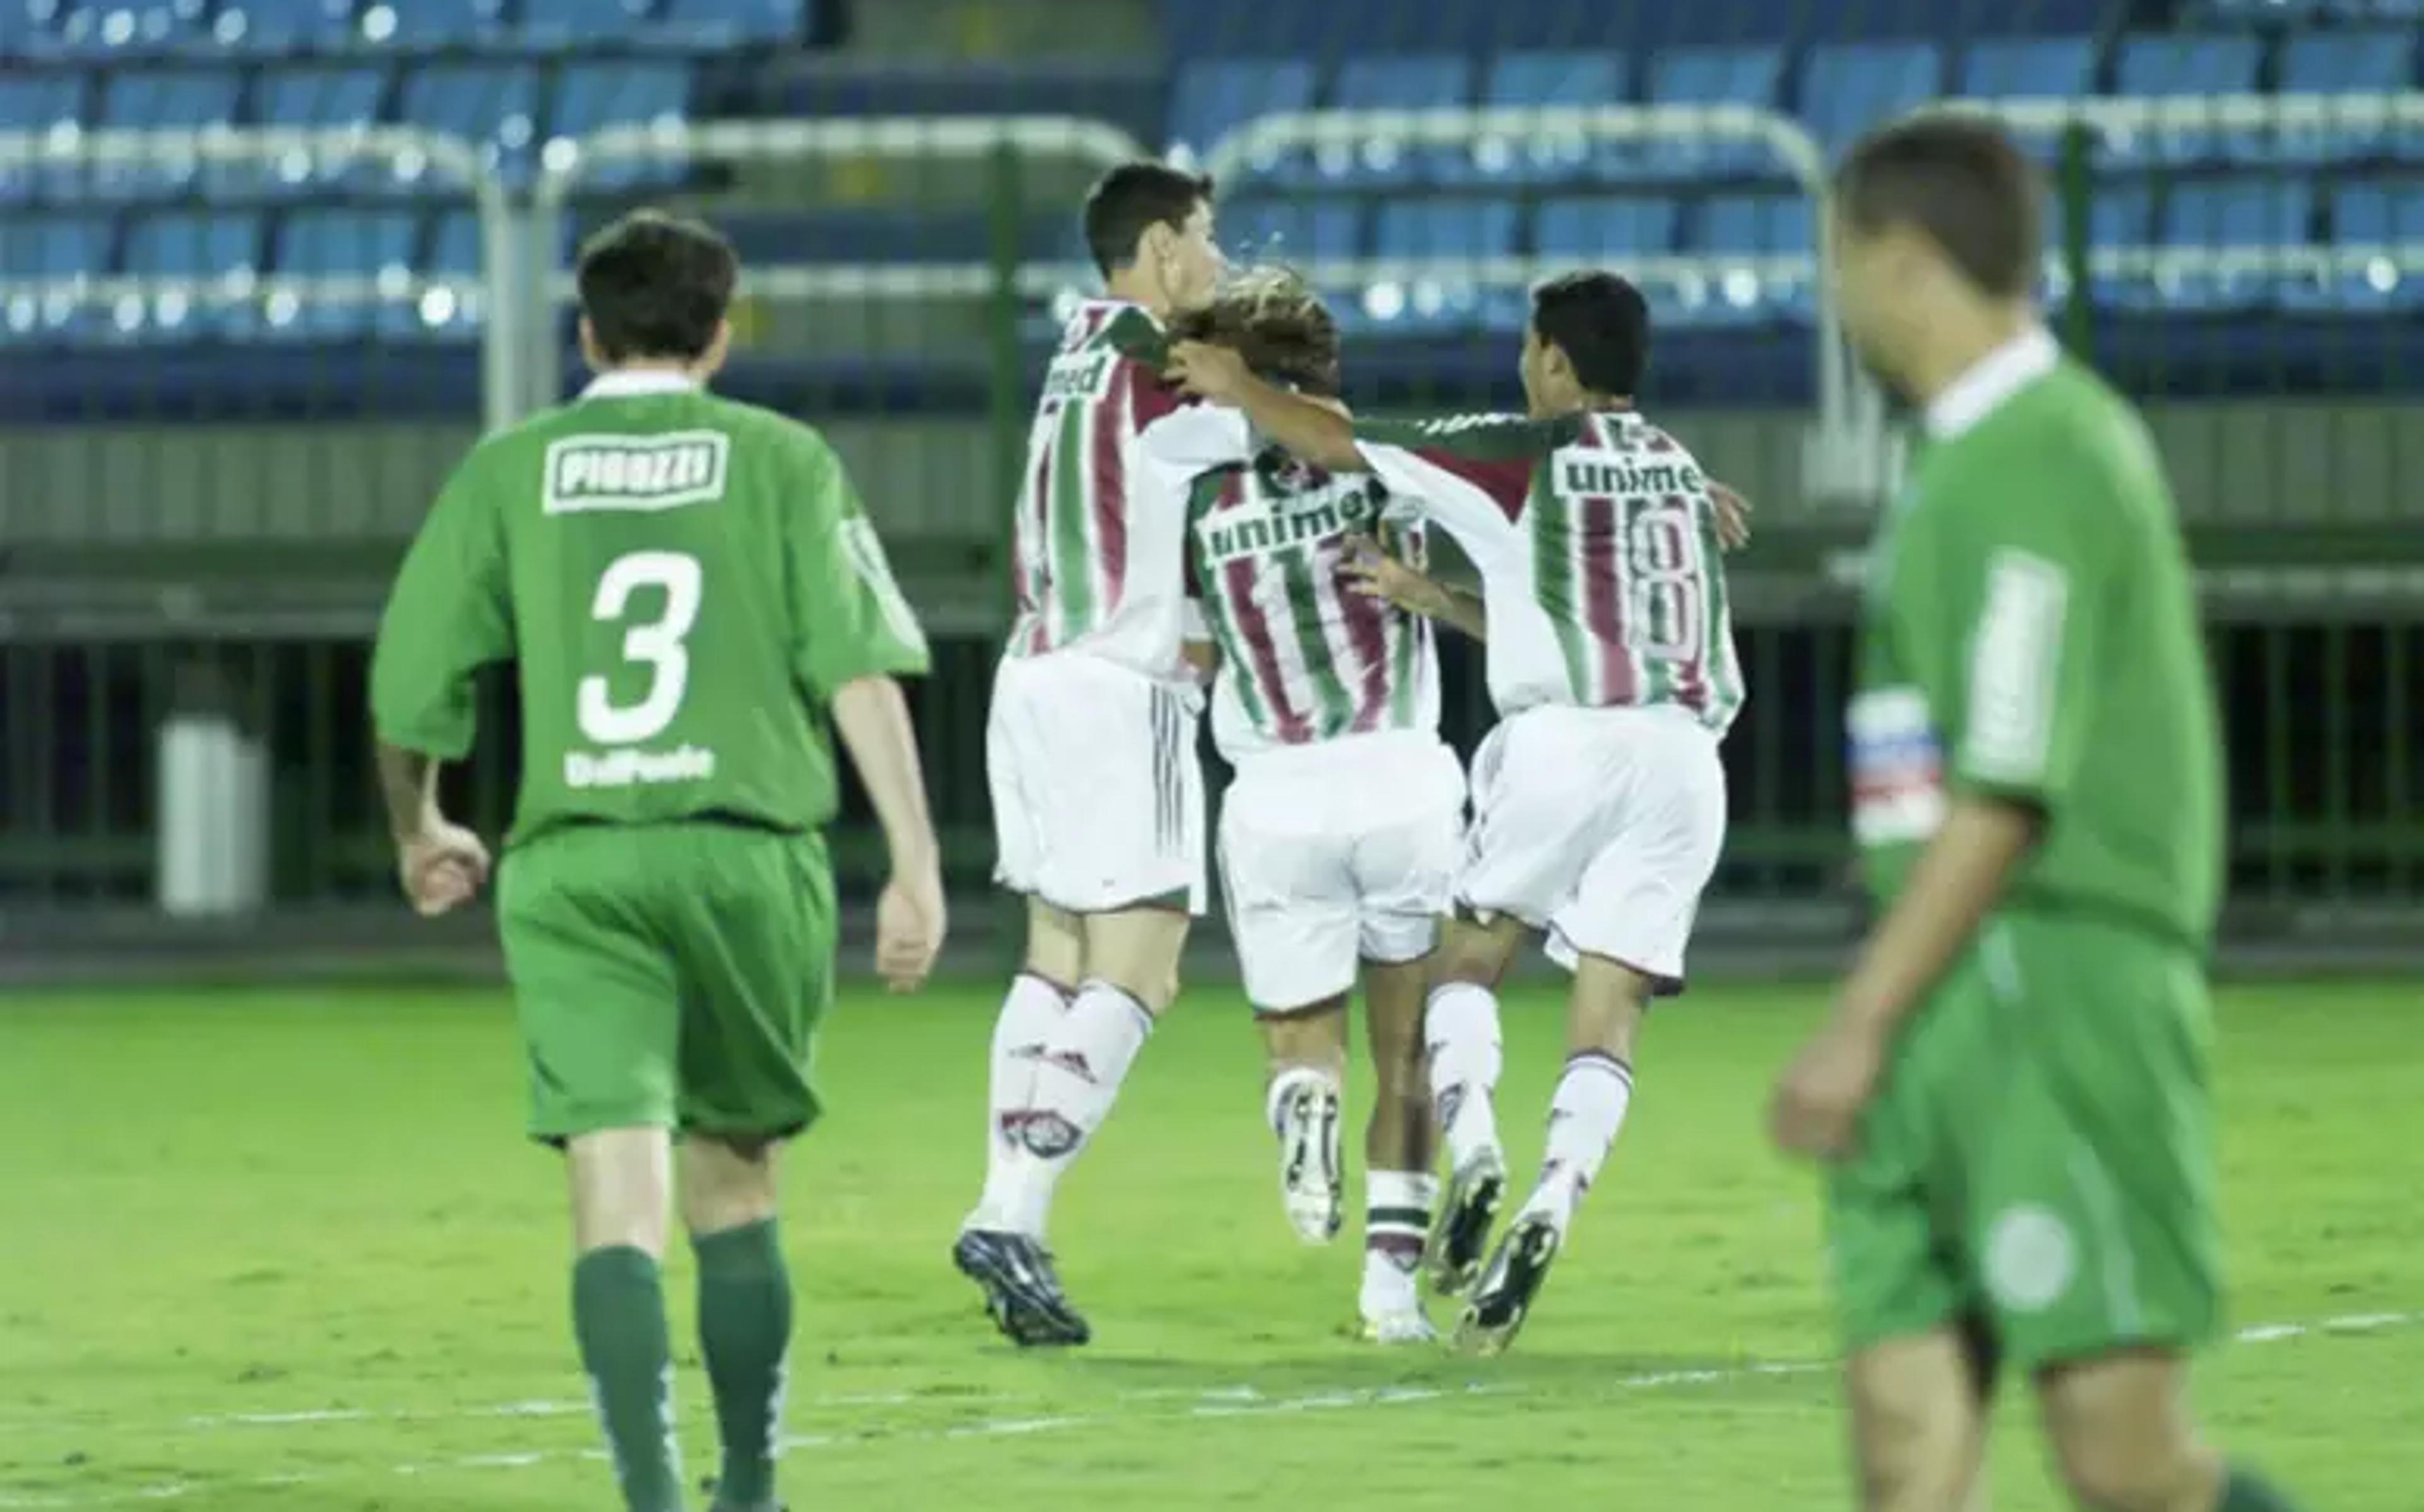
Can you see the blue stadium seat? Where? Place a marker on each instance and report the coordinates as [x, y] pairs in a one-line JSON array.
[[206, 263], [1605, 229], [2038, 68], [275, 26], [1548, 80], [721, 23], [311, 245], [590, 97], [2409, 11], [2344, 63], [2257, 215], [420, 24], [186, 99], [1213, 99], [45, 100], [2185, 67], [1848, 87], [495, 106], [49, 253], [1433, 252], [2120, 216], [1421, 82], [2375, 226], [306, 99], [1292, 231], [1738, 233], [104, 29], [1713, 75], [565, 22]]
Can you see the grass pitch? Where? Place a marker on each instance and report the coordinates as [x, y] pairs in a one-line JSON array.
[[278, 1251]]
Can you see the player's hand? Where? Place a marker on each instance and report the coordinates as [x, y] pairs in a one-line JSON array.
[[909, 923], [442, 866], [1733, 517], [1205, 370], [1816, 1109], [1372, 571]]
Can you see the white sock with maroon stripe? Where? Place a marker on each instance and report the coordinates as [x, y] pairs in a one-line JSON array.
[[1461, 1032], [1584, 1119], [1396, 1219], [1028, 1015], [1076, 1080]]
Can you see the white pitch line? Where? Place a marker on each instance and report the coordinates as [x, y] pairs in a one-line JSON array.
[[1209, 1402]]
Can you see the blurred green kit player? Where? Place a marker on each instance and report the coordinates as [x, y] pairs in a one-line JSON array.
[[2012, 1091], [690, 592]]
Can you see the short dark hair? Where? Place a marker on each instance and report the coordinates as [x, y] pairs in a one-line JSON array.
[[1602, 323], [1132, 198], [1960, 182], [1275, 321], [655, 285]]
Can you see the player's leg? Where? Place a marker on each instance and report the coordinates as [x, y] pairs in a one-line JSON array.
[[1039, 998], [596, 1000], [1127, 855], [1920, 1365], [1623, 931], [744, 1307], [1399, 1149], [1055, 960], [2091, 1215], [1919, 1421], [753, 932], [2125, 1441], [1305, 1049], [1405, 873], [1291, 901], [1465, 1053]]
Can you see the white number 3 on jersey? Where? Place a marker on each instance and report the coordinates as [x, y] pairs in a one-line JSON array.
[[656, 644]]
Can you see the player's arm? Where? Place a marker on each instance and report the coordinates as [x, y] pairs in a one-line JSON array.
[[1373, 569], [855, 635], [1998, 613], [447, 615], [1307, 429]]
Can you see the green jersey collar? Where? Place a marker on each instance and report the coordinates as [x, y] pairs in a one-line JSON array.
[[632, 383], [1996, 376]]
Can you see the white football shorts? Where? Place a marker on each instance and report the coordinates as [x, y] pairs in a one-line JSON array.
[[1599, 826], [1097, 790], [1334, 854]]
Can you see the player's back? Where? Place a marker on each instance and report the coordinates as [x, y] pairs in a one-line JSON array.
[[1303, 660], [1093, 571], [664, 554], [1597, 541]]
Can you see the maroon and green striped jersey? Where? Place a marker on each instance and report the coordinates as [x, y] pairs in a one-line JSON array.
[[1099, 538], [1597, 544], [1301, 659]]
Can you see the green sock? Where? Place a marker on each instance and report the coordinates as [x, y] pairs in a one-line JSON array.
[[744, 1330], [2246, 1492], [618, 1313]]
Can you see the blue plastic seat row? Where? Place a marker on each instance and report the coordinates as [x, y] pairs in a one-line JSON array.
[[224, 274], [111, 28], [1210, 29], [1842, 89], [512, 108]]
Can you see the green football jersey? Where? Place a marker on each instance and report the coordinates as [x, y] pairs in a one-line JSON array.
[[683, 583], [2032, 633]]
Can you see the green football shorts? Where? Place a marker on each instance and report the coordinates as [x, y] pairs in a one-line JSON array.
[[670, 975], [2040, 1159]]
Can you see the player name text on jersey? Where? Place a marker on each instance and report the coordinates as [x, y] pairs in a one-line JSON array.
[[636, 472], [630, 768]]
